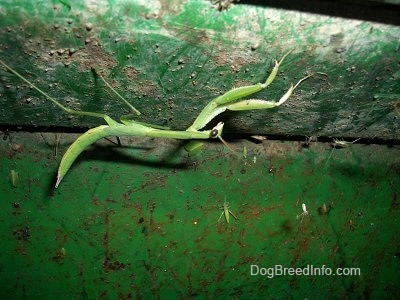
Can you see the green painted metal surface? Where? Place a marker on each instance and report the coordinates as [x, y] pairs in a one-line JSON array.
[[170, 58], [138, 222]]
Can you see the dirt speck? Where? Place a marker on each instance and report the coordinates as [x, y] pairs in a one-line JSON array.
[[131, 73], [236, 58], [148, 88], [90, 56]]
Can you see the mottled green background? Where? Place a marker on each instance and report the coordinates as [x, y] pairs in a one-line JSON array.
[[140, 220]]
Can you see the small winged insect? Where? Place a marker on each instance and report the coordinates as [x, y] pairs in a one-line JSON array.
[[305, 212], [226, 212], [339, 144]]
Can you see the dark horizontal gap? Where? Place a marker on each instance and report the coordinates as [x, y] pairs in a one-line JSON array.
[[374, 11], [33, 129], [4, 129]]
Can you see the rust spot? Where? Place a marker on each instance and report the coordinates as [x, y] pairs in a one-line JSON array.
[[16, 209], [91, 56], [148, 88], [94, 169], [304, 244], [21, 251], [22, 234], [395, 203], [350, 225], [234, 58], [110, 265], [96, 202], [61, 237], [131, 73], [170, 216], [59, 256], [111, 200]]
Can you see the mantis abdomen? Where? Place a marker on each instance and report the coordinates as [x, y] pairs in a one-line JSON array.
[[97, 133]]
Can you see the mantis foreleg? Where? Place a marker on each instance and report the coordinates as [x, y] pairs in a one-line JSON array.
[[219, 104], [224, 102], [251, 104]]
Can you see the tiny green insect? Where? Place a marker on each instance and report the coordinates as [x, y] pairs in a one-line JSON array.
[[14, 177], [226, 211]]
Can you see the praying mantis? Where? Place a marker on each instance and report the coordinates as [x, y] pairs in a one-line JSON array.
[[128, 127]]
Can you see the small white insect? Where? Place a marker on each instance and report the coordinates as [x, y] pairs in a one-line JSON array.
[[304, 213], [259, 138], [339, 144]]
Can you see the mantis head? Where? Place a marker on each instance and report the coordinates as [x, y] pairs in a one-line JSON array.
[[217, 131]]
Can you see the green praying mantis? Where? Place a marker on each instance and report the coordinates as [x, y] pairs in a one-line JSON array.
[[128, 127]]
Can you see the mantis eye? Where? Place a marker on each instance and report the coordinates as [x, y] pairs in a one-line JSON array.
[[214, 133]]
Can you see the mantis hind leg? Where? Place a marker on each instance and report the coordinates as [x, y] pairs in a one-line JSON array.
[[108, 119], [116, 93]]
